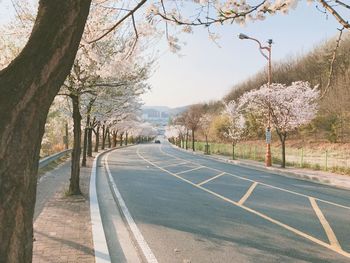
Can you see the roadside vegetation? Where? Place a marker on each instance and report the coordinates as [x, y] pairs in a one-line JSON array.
[[310, 125]]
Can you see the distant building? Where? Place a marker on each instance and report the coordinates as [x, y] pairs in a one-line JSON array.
[[161, 118]]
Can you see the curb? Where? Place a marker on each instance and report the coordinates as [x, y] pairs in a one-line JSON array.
[[274, 170], [98, 234]]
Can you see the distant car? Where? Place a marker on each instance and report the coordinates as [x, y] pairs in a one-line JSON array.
[[157, 141]]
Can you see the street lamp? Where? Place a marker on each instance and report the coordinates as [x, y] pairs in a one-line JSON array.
[[262, 48]]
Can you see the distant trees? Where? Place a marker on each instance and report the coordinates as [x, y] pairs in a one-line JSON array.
[[193, 116], [205, 123]]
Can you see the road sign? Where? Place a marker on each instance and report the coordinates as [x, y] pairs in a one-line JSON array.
[[268, 136]]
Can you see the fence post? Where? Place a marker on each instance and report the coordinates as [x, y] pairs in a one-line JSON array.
[[254, 153], [302, 157], [326, 159]]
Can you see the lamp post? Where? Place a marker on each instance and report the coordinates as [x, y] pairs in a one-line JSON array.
[[268, 161]]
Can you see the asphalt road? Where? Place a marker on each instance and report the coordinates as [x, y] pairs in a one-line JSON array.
[[189, 208]]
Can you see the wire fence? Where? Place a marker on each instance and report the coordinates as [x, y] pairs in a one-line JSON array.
[[328, 160]]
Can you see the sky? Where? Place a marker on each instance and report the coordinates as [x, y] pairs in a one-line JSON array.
[[207, 72], [203, 71]]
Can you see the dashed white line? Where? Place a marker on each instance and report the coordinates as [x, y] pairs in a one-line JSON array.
[[211, 179]]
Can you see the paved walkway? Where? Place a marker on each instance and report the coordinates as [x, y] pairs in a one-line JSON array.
[[62, 228]]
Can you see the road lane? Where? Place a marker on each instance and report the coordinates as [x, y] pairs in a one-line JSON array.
[[323, 192], [181, 222]]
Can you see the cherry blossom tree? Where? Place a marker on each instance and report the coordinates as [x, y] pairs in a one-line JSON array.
[[33, 78], [205, 123], [290, 107], [235, 125]]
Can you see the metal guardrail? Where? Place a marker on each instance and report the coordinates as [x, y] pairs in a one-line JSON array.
[[45, 161]]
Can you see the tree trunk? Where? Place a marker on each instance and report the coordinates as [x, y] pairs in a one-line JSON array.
[[126, 138], [186, 139], [109, 138], [74, 188], [193, 149], [121, 139], [233, 150], [283, 136], [103, 137], [83, 162], [27, 87], [206, 141], [97, 135], [89, 143], [115, 138], [66, 141]]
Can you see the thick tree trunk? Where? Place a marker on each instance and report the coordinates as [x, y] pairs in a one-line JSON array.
[[109, 138], [89, 143], [126, 138], [97, 135], [121, 139], [193, 149], [74, 188], [66, 141], [115, 138], [85, 141], [83, 162], [283, 137], [103, 137], [27, 87]]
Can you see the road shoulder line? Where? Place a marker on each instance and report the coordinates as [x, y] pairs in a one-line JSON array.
[[213, 178]]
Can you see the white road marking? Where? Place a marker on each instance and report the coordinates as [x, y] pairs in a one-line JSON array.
[[264, 184], [211, 179], [174, 164], [190, 170], [147, 252], [285, 226]]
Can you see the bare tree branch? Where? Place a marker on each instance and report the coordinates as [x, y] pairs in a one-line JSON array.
[[119, 21], [337, 16], [331, 67]]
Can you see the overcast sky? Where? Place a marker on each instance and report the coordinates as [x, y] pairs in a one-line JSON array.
[[206, 72]]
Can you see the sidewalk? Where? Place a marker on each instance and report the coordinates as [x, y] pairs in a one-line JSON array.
[[62, 230], [322, 177]]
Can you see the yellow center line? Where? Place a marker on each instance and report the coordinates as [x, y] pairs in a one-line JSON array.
[[264, 184], [248, 193], [266, 217], [327, 228], [210, 179]]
